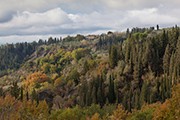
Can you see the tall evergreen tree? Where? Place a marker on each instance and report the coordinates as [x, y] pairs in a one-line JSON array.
[[15, 90], [157, 27], [127, 49], [94, 95], [82, 93], [129, 100], [113, 57], [137, 72], [166, 60], [1, 91], [27, 96], [125, 105], [35, 96], [85, 67], [111, 93], [137, 105], [21, 97], [172, 60]]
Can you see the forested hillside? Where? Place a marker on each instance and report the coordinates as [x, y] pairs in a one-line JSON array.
[[119, 75]]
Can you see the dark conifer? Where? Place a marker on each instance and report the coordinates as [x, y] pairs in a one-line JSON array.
[[111, 93], [125, 105], [27, 95], [15, 90], [1, 91], [136, 106], [166, 60], [21, 97]]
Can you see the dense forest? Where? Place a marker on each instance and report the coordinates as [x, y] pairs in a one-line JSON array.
[[130, 75]]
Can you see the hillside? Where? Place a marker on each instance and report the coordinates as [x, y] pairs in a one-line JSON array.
[[93, 74]]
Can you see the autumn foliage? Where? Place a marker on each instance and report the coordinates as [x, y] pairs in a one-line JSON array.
[[34, 80], [13, 109], [120, 114], [58, 82], [171, 108]]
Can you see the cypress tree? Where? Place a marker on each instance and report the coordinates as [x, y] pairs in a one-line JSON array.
[[175, 73], [136, 106], [33, 95], [113, 57], [157, 27], [116, 91], [82, 93], [120, 55], [142, 95], [131, 63], [166, 60], [100, 92], [15, 90], [171, 69], [129, 100], [125, 106], [137, 74], [111, 93], [100, 42], [127, 32], [146, 56], [85, 67], [27, 95], [162, 90], [21, 97], [145, 94], [94, 95], [37, 98], [1, 91], [88, 98], [127, 49]]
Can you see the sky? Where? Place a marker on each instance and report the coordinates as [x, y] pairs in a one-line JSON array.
[[31, 20]]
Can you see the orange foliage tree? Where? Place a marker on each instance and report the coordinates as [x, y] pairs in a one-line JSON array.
[[171, 108], [13, 109], [120, 114], [33, 80]]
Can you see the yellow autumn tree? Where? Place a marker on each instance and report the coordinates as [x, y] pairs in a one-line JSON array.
[[58, 82], [96, 117], [171, 108], [120, 114], [9, 108], [13, 109]]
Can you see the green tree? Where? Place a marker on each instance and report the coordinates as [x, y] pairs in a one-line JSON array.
[[85, 67], [166, 60], [27, 96], [113, 57], [111, 94], [137, 105], [157, 27], [74, 75], [34, 96], [83, 93], [21, 97], [15, 90], [125, 104]]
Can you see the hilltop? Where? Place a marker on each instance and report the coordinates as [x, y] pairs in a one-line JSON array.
[[130, 68]]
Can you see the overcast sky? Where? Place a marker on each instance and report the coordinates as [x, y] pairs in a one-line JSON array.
[[31, 20]]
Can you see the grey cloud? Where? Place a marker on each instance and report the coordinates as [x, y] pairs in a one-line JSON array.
[[45, 17], [35, 23], [10, 7]]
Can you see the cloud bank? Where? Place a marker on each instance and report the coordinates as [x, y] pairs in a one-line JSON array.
[[24, 19]]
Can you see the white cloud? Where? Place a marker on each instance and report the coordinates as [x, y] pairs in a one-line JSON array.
[[48, 17], [28, 22]]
